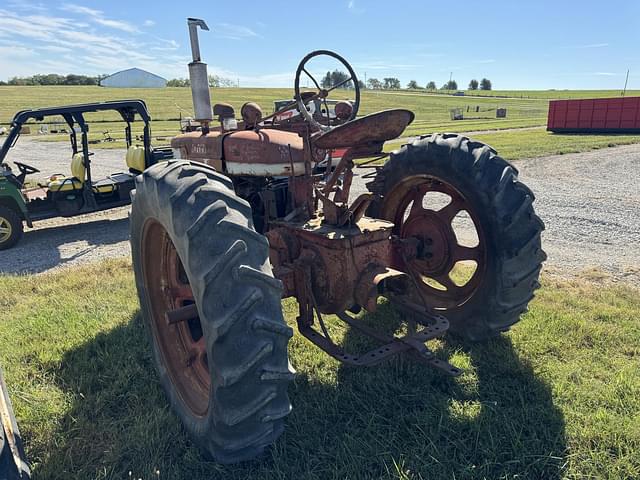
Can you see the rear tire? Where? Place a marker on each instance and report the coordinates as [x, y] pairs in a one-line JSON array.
[[503, 206], [189, 207], [10, 227]]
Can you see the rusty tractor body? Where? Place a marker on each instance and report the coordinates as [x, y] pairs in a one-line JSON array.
[[215, 248]]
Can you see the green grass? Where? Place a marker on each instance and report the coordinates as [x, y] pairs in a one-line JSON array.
[[558, 397], [531, 143], [516, 145], [432, 113]]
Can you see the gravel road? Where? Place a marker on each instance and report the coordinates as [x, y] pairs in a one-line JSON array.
[[588, 201]]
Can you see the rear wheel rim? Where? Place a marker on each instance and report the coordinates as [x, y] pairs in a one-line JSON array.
[[5, 229], [439, 250], [182, 345]]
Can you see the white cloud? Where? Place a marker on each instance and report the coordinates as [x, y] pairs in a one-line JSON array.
[[149, 23], [353, 8], [54, 49], [72, 7], [606, 74], [590, 45], [98, 17], [47, 41], [233, 32], [489, 60]]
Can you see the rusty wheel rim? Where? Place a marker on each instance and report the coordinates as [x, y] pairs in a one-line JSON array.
[[439, 250], [175, 322]]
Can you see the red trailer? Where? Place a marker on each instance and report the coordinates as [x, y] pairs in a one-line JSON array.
[[600, 115]]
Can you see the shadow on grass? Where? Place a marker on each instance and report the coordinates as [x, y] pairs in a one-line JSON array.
[[399, 418]]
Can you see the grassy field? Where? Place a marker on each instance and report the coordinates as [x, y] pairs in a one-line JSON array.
[[558, 397], [432, 114]]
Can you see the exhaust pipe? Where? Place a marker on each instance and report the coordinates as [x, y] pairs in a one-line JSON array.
[[199, 77]]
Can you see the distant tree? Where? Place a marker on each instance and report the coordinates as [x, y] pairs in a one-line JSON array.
[[337, 77], [179, 82], [374, 84], [361, 85], [473, 84], [431, 85], [485, 84], [450, 85], [391, 83], [218, 81], [326, 80], [413, 85]]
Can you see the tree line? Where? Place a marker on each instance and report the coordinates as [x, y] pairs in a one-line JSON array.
[[54, 79], [484, 84], [214, 81]]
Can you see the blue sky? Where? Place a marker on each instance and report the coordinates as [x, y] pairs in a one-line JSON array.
[[517, 44]]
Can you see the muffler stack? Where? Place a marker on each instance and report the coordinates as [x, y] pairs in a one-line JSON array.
[[199, 77]]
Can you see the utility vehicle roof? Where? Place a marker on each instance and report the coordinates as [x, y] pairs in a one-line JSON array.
[[73, 115], [126, 108]]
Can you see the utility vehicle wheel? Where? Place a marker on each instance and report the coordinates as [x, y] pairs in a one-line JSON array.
[[478, 250], [212, 308], [13, 463], [10, 227]]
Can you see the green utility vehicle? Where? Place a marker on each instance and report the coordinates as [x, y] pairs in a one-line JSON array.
[[75, 193]]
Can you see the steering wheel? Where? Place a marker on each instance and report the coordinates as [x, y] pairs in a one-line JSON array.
[[305, 97], [26, 169]]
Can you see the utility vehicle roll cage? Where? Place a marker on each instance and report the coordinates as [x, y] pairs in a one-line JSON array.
[[74, 116]]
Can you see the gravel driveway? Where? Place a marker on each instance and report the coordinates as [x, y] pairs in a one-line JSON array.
[[588, 201]]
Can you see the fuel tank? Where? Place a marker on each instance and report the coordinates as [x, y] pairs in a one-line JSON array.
[[263, 153]]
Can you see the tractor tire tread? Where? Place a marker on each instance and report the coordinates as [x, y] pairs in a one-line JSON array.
[[227, 264], [506, 205]]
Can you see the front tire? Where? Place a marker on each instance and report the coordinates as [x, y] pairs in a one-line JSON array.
[[10, 227], [224, 363], [508, 254]]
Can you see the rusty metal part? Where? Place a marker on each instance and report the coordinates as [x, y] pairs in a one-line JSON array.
[[201, 148], [429, 248], [377, 127], [176, 324], [412, 343], [266, 152], [336, 256]]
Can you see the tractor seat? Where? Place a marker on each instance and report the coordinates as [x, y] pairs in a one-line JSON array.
[[374, 128]]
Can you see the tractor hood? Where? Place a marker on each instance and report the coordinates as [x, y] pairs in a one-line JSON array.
[[266, 152]]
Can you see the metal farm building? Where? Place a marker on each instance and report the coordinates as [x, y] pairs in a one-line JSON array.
[[133, 78]]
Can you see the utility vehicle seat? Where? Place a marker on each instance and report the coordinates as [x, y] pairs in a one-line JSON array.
[[61, 183], [135, 160]]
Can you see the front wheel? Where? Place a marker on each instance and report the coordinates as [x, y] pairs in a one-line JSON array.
[[212, 308], [478, 254], [10, 227]]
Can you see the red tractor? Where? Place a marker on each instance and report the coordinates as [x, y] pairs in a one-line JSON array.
[[255, 210]]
